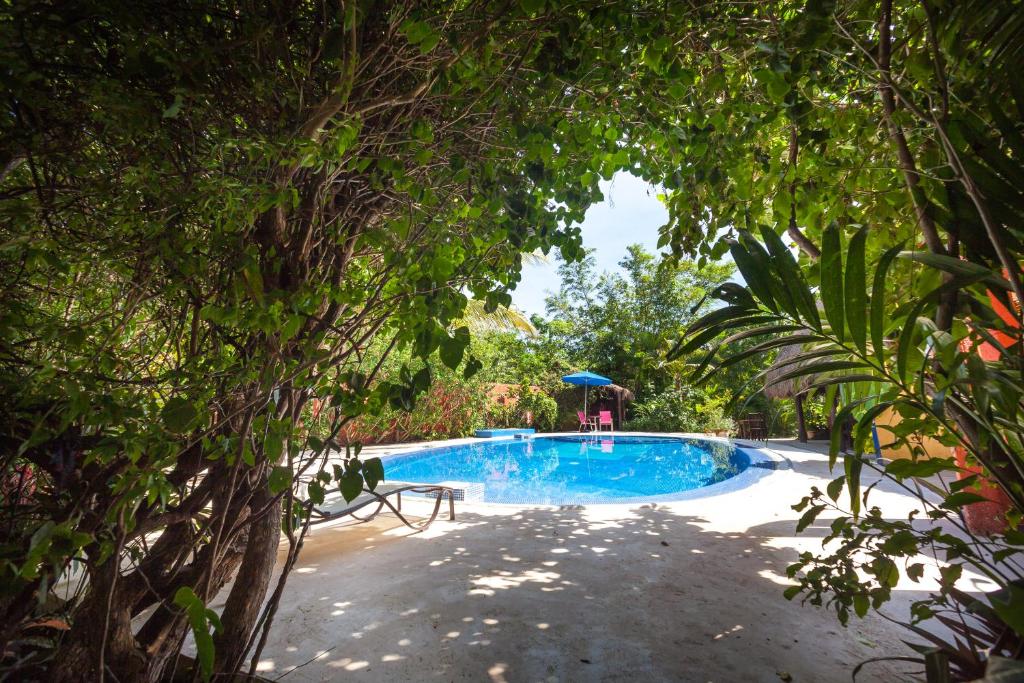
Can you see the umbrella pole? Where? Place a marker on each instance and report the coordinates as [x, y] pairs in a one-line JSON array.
[[586, 387]]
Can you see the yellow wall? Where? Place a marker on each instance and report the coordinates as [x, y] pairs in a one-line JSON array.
[[932, 448]]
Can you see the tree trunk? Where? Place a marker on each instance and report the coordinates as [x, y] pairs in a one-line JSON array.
[[108, 644], [801, 426], [251, 584]]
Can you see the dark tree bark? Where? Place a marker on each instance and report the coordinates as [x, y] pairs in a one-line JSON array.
[[251, 584], [801, 425], [911, 176], [802, 241]]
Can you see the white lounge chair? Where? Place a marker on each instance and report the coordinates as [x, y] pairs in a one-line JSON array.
[[336, 507]]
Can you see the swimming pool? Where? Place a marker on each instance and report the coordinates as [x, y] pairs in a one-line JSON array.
[[576, 469]]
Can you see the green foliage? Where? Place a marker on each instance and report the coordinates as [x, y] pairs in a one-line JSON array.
[[525, 400], [616, 325], [680, 409], [897, 285], [209, 214], [200, 620], [933, 379], [815, 413], [536, 360], [452, 407]]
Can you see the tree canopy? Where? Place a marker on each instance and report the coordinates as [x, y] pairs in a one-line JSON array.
[[210, 211]]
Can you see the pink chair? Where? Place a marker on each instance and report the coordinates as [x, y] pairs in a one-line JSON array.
[[586, 424], [605, 419]]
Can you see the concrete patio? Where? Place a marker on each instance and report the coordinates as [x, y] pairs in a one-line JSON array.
[[687, 591]]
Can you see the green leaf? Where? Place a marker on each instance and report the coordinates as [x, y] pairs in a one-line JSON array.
[[907, 339], [473, 366], [178, 415], [757, 349], [853, 465], [350, 484], [905, 468], [291, 327], [719, 317], [184, 597], [174, 108], [373, 472], [273, 445], [848, 382], [773, 330], [831, 265], [967, 270], [754, 275], [421, 380], [793, 277], [429, 42], [808, 517], [531, 6], [856, 290], [774, 83], [454, 347], [972, 480], [861, 604], [961, 498], [451, 353], [819, 369], [279, 480], [835, 487], [780, 291], [1009, 605], [863, 430], [415, 31], [205, 650], [878, 317], [198, 617], [316, 492]]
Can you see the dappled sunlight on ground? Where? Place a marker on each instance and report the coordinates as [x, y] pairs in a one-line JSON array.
[[681, 591]]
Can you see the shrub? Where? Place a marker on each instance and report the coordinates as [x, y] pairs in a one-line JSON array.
[[451, 408], [542, 407], [682, 409], [816, 414]]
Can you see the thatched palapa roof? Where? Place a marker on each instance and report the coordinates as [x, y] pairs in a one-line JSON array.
[[775, 389], [623, 393]]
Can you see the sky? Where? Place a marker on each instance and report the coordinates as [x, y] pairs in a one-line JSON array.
[[629, 214]]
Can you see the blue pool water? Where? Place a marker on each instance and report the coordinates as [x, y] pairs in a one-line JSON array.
[[565, 470]]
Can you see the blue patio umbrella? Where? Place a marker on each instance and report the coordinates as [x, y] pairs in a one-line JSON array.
[[587, 379]]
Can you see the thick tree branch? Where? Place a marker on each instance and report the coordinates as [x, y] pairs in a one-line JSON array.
[[911, 177], [802, 241]]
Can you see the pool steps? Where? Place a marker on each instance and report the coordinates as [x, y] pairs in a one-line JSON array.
[[518, 433]]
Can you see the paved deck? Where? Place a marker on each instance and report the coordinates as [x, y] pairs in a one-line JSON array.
[[687, 591]]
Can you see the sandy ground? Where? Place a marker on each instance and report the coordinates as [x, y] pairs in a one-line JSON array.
[[688, 591]]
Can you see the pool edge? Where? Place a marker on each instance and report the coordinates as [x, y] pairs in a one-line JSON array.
[[760, 457]]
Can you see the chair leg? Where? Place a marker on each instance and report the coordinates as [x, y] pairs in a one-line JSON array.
[[451, 505], [399, 496]]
